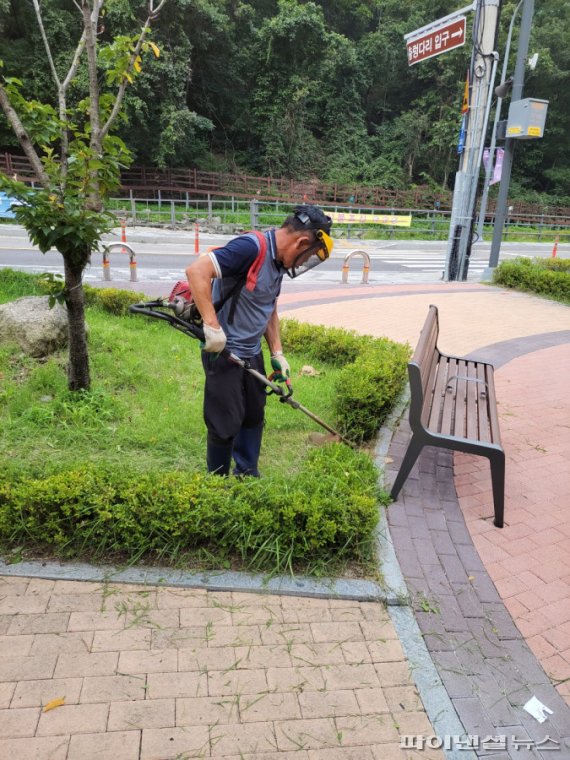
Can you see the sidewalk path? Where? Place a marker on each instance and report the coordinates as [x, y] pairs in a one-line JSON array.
[[169, 674], [449, 550], [157, 674]]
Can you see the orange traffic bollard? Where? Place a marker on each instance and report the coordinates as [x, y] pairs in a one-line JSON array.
[[196, 239], [555, 249]]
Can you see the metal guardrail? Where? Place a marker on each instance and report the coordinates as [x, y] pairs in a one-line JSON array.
[[232, 215]]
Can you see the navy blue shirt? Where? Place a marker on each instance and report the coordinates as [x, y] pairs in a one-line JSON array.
[[254, 308]]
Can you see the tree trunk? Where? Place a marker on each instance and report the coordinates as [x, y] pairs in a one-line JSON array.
[[78, 377]]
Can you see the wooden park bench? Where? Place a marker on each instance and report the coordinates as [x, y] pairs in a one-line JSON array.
[[452, 406]]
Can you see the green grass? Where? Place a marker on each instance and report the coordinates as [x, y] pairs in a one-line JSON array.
[[118, 473], [145, 407]]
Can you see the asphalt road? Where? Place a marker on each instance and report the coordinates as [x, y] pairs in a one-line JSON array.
[[162, 256]]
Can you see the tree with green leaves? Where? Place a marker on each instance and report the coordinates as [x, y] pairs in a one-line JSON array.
[[74, 153]]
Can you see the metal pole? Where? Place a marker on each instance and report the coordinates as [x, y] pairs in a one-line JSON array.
[[518, 82], [466, 179], [491, 161], [477, 160]]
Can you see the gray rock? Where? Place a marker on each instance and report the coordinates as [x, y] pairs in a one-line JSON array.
[[36, 328]]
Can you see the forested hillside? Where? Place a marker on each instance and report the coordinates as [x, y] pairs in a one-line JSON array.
[[292, 88]]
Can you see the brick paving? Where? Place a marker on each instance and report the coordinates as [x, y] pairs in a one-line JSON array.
[[150, 674], [535, 426], [174, 673], [492, 605]]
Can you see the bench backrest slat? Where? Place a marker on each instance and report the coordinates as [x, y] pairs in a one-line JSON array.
[[492, 406], [422, 365]]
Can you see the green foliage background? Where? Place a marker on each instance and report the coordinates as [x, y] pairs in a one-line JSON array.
[[319, 88]]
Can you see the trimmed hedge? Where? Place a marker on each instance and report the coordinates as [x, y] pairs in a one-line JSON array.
[[328, 509], [111, 299], [373, 376], [548, 277]]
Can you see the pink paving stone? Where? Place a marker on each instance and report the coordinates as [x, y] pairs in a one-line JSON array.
[[557, 667], [488, 551], [554, 591], [559, 637], [552, 571], [520, 546], [540, 646], [531, 601], [515, 607], [537, 498], [510, 586], [531, 624], [497, 571]]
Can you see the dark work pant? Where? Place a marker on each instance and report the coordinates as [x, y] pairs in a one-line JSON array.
[[234, 404]]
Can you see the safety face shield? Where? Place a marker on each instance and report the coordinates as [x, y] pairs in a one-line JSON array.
[[312, 256]]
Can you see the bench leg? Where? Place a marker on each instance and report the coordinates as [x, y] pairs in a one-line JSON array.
[[497, 461], [412, 453]]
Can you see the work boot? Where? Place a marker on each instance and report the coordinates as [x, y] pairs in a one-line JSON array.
[[247, 445], [219, 457]]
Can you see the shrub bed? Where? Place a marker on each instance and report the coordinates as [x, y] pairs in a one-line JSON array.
[[548, 277], [328, 510], [139, 499], [373, 375]]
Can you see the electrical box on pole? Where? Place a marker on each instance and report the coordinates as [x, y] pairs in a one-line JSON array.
[[527, 118]]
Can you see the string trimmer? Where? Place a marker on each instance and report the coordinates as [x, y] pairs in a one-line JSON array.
[[164, 310]]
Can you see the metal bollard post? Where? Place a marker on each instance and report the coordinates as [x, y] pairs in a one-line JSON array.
[[133, 268], [365, 269], [123, 248], [106, 267]]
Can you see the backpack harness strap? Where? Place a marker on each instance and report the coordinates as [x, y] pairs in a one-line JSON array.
[[249, 281]]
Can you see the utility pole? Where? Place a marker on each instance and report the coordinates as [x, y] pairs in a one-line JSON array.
[[491, 161], [517, 91], [482, 75]]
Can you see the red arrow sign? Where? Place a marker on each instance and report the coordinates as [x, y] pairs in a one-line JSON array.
[[438, 41]]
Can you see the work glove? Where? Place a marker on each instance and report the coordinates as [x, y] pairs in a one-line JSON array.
[[214, 339], [281, 369]]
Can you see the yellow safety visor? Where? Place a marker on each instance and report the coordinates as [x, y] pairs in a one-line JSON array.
[[326, 246], [312, 256]]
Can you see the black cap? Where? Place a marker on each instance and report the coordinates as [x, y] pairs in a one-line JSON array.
[[312, 218]]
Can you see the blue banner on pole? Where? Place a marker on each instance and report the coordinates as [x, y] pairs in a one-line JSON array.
[[462, 134]]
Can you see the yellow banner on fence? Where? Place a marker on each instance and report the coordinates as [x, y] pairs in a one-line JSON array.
[[391, 220]]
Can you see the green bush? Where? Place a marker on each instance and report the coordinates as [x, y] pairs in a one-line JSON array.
[[15, 284], [368, 389], [329, 344], [111, 299], [542, 276], [328, 509], [557, 265], [373, 376]]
